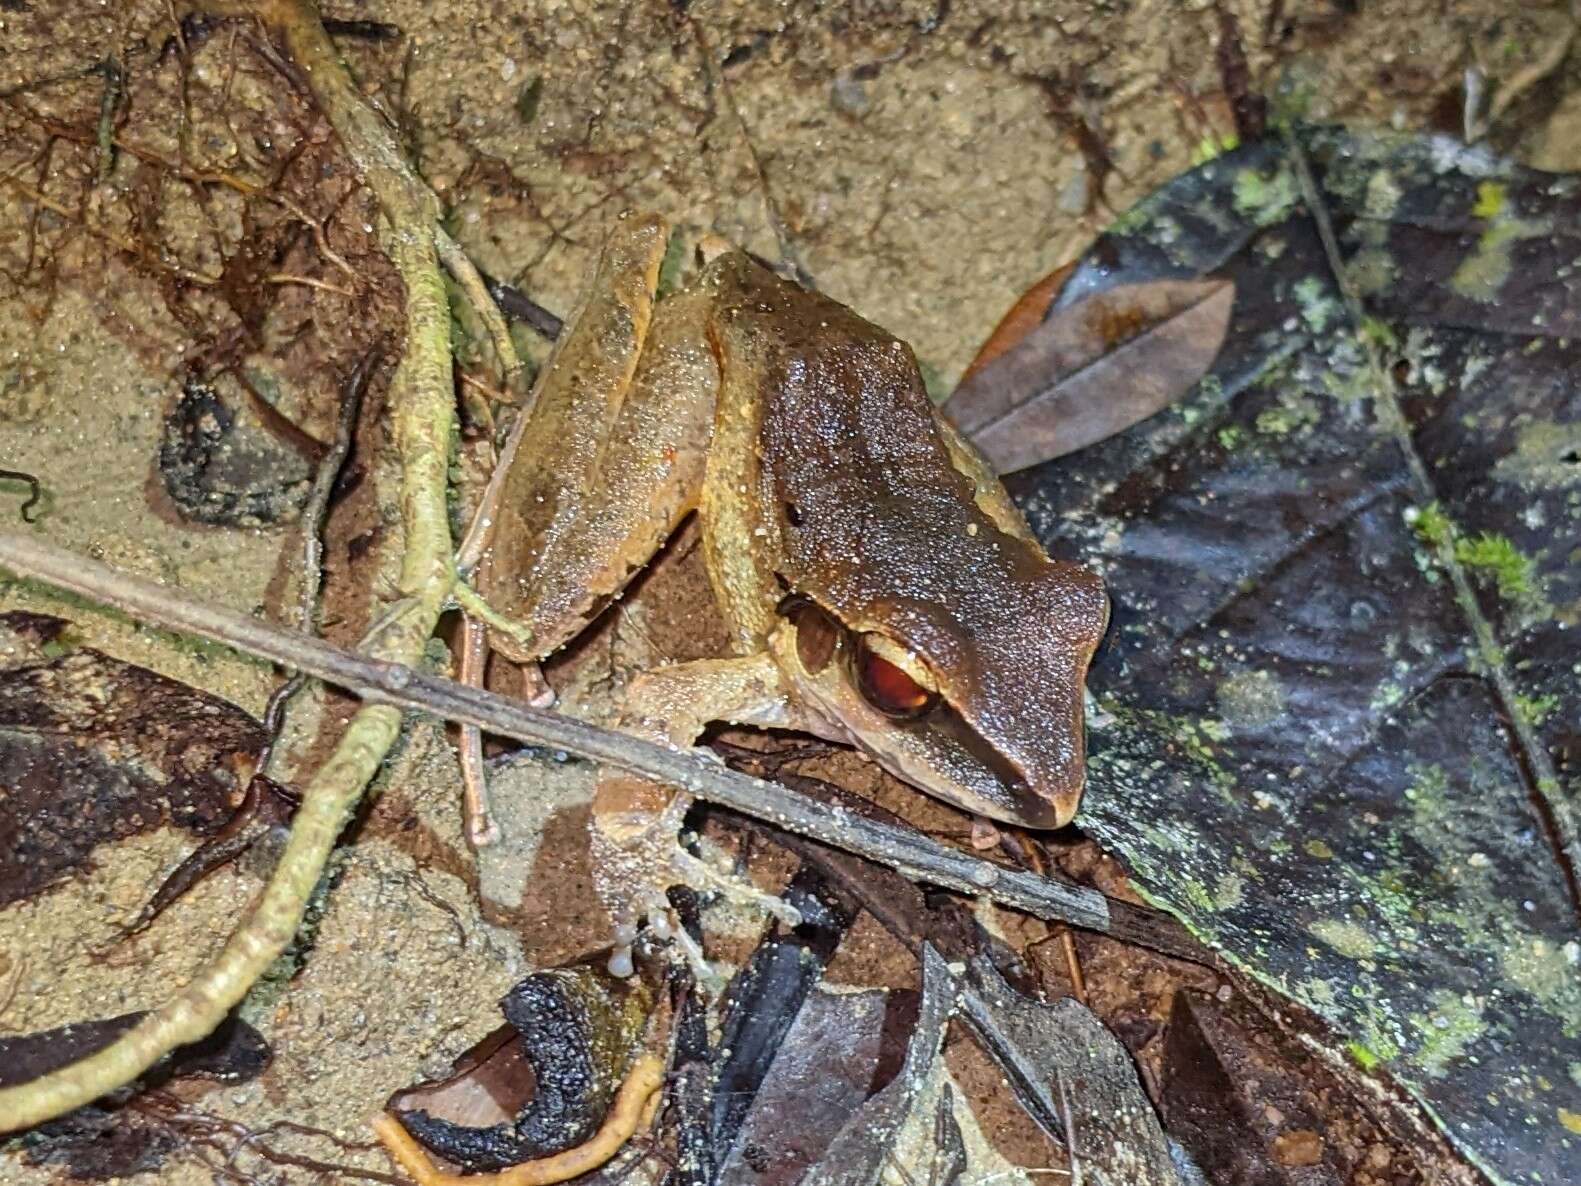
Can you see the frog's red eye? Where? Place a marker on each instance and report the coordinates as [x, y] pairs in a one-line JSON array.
[[888, 688]]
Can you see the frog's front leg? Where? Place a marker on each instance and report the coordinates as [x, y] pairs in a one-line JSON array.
[[636, 850]]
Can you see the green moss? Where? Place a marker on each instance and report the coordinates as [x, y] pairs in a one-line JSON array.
[[1543, 458], [1447, 1030], [1379, 333], [1534, 710], [1490, 200], [1347, 938], [1319, 850], [1430, 523], [1229, 891], [1550, 972], [1293, 413], [1231, 437], [1491, 556], [1365, 1058], [1481, 275], [1378, 1034], [1514, 573], [1316, 302], [1212, 145], [1265, 198], [1372, 269]]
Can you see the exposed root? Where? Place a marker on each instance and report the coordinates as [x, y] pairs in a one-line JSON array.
[[421, 403], [626, 1117]]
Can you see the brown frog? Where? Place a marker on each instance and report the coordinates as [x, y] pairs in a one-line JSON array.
[[879, 587]]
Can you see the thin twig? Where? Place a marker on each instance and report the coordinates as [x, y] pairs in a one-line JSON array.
[[307, 282], [518, 306], [911, 853], [470, 280], [35, 492], [120, 242]]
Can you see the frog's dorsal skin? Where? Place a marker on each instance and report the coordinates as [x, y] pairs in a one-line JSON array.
[[856, 500], [879, 585]]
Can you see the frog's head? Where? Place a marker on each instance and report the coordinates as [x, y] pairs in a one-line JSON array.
[[973, 695]]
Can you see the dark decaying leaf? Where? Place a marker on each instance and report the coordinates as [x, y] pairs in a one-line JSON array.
[[230, 468], [93, 749], [544, 1081], [1092, 368], [864, 1144], [1247, 1107], [1342, 678], [766, 997], [104, 1140], [821, 1074], [1076, 1080]]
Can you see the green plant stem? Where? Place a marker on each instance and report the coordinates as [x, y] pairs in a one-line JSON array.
[[420, 400]]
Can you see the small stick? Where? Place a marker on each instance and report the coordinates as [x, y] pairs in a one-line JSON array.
[[909, 852], [476, 817], [465, 273]]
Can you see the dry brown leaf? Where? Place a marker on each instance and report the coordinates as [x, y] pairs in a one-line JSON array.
[[1092, 369]]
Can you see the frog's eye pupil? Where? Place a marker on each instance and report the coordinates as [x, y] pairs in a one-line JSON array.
[[888, 688], [818, 635]]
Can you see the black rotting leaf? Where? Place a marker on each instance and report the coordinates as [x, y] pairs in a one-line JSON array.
[[1341, 686], [542, 1082], [105, 1140], [93, 749], [766, 998]]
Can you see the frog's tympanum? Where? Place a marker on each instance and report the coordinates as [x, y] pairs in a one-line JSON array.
[[879, 587]]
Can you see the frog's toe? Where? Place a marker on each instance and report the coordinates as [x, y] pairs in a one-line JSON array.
[[640, 860], [705, 876]]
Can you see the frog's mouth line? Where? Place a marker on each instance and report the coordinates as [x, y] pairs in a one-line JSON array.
[[942, 756]]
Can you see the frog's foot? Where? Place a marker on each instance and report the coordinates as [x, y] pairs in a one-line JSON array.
[[638, 855]]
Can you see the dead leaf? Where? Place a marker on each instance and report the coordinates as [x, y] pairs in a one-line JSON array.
[[1024, 316], [93, 749], [1075, 1079], [864, 1145], [1092, 369]]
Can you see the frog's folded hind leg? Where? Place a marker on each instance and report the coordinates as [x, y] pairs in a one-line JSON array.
[[636, 849], [600, 469]]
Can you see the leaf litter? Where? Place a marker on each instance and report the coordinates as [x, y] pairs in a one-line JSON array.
[[1342, 681]]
